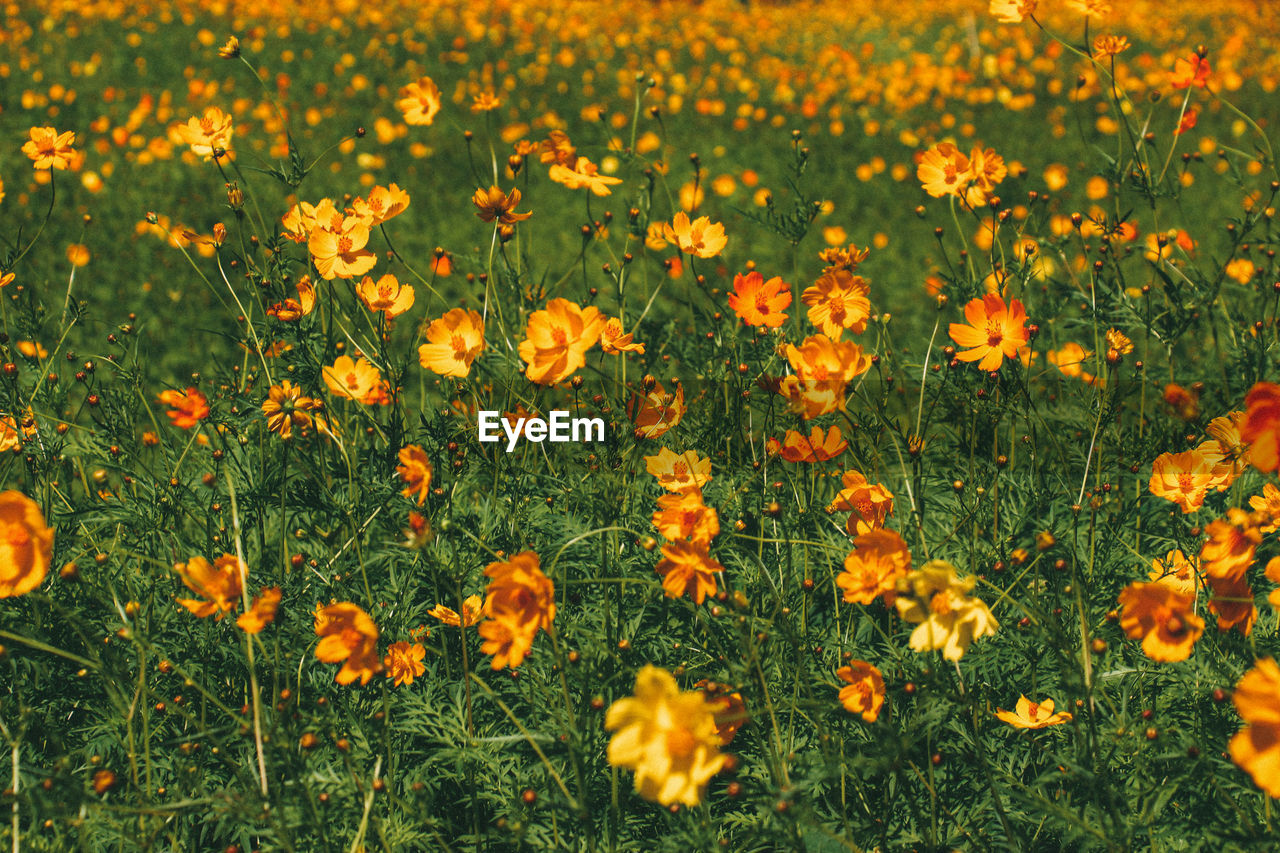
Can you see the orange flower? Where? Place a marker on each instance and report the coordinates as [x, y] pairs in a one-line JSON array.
[[453, 343], [1184, 478], [986, 168], [864, 690], [471, 608], [687, 568], [48, 149], [823, 368], [1070, 360], [415, 470], [519, 600], [658, 411], [729, 709], [1272, 571], [1176, 571], [419, 102], [557, 339], [492, 204], [301, 219], [26, 544], [943, 170], [263, 611], [188, 407], [880, 557], [382, 204], [337, 244], [1231, 546], [1185, 403], [287, 408], [354, 380], [994, 332], [1226, 453], [759, 302], [404, 662], [1163, 618], [1231, 600], [838, 300], [387, 295], [208, 133], [348, 634], [1260, 428], [291, 309], [584, 173], [221, 584], [557, 148], [1190, 71], [700, 237], [1033, 715], [614, 342], [819, 446], [1012, 11], [679, 472], [871, 503], [843, 259], [1256, 747], [685, 516]]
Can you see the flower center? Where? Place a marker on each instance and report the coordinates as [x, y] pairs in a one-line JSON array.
[[560, 336], [995, 334], [680, 743]]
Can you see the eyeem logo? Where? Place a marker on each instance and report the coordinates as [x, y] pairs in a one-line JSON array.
[[559, 428]]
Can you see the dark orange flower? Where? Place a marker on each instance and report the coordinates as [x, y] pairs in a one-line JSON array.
[[220, 584], [759, 302], [819, 446], [657, 411], [415, 470], [493, 204], [864, 690], [687, 568], [871, 503], [880, 557], [404, 662], [685, 516], [994, 332], [1163, 618], [1260, 428], [26, 544], [188, 407], [262, 613], [1185, 403], [519, 601], [1256, 747], [1190, 71], [1232, 600], [348, 635]]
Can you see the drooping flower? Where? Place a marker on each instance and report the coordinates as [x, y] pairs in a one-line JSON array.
[[863, 692], [1033, 715], [349, 636], [870, 503], [1163, 618], [419, 101], [657, 411], [685, 516], [1183, 478], [453, 342], [1260, 428], [208, 133], [667, 736], [614, 342], [493, 204], [759, 302], [583, 173], [879, 558], [471, 609], [187, 408], [818, 446], [387, 295], [403, 662], [519, 601], [219, 584], [262, 612], [838, 300], [1231, 545], [701, 237], [26, 544], [1256, 747], [679, 472], [993, 332], [49, 149], [947, 616], [415, 470], [688, 569], [557, 339]]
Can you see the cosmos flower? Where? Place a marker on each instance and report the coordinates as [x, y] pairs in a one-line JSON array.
[[993, 331], [1033, 715], [49, 149], [863, 692], [26, 544], [1163, 618], [348, 636], [759, 302]]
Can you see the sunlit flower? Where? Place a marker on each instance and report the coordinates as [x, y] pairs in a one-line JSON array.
[[688, 569], [584, 173], [943, 170], [349, 636], [187, 408], [838, 300], [453, 342], [1225, 452], [485, 102], [1256, 747], [685, 516], [1012, 11], [1163, 618], [287, 408], [727, 706], [1266, 508], [230, 49], [220, 584], [863, 692], [1184, 478], [759, 302], [818, 446], [471, 609], [1260, 428], [48, 149], [208, 133], [262, 612], [557, 339], [337, 244], [823, 368], [26, 544], [419, 102], [557, 149], [657, 411], [1231, 600], [614, 342], [353, 380], [1033, 715], [415, 470], [1230, 546], [986, 169], [493, 204], [301, 219], [382, 203], [1190, 71], [700, 237], [519, 601], [403, 662], [994, 331], [870, 503], [667, 736], [947, 616], [1176, 571], [879, 558], [679, 472], [292, 310]]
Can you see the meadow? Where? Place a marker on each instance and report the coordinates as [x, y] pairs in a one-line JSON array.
[[933, 350]]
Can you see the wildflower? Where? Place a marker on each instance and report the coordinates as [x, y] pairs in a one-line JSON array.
[[657, 411], [287, 408], [292, 310], [382, 204], [727, 706], [415, 470], [1231, 546], [994, 332], [864, 690], [557, 148], [472, 606], [1070, 360], [1266, 508], [667, 736], [687, 568], [986, 169], [1012, 11], [188, 407], [838, 300], [419, 102], [819, 446], [1176, 571], [231, 49], [1189, 121], [519, 600], [78, 254], [1092, 8], [557, 339], [1231, 600], [943, 170], [337, 244], [354, 380], [823, 369], [453, 342], [1185, 402], [403, 662], [49, 149], [485, 102], [1225, 452], [700, 237], [1184, 478], [1163, 618], [1190, 71], [947, 617], [880, 557], [679, 472], [1260, 428], [614, 342], [301, 219], [26, 544], [1033, 715], [1104, 46], [492, 204], [871, 503], [758, 302], [685, 516], [1118, 344], [843, 259], [349, 636], [584, 173], [207, 134], [1256, 747], [262, 612], [220, 584]]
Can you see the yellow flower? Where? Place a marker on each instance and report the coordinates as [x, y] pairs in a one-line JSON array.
[[419, 102], [667, 736], [1184, 478], [947, 617], [208, 133], [557, 339], [48, 149], [700, 237], [880, 557], [1033, 715], [354, 380], [687, 568], [1163, 618], [583, 174], [26, 544], [470, 612], [287, 408], [348, 635], [1256, 747], [404, 662], [382, 204], [614, 342], [453, 342], [679, 472], [337, 243], [493, 204], [943, 170]]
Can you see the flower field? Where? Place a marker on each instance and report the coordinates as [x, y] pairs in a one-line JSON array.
[[748, 426]]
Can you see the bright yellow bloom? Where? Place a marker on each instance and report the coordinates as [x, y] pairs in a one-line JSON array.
[[700, 237], [838, 300], [354, 380], [557, 339], [287, 408], [583, 174], [419, 102], [943, 170], [337, 244], [453, 342], [1012, 11], [208, 133], [614, 342], [1033, 715], [947, 616], [382, 204], [679, 472], [26, 544], [48, 149], [403, 662]]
